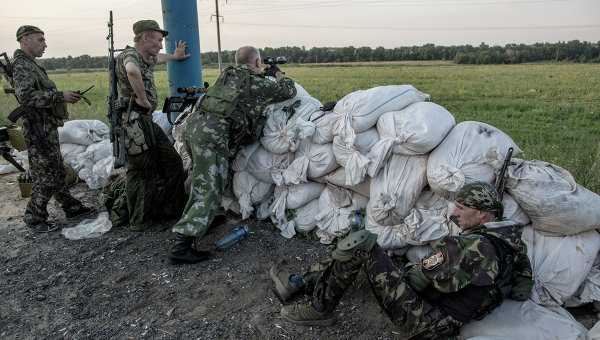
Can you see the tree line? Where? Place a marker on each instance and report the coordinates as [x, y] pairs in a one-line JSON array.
[[572, 51]]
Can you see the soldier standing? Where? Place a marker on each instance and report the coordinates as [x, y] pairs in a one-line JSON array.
[[213, 134], [35, 90], [154, 178], [464, 278]]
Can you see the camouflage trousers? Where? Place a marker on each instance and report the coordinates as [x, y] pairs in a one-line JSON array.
[[327, 281], [154, 179], [47, 167], [206, 140]]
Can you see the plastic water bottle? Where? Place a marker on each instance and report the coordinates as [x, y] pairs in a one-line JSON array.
[[232, 237], [357, 222]]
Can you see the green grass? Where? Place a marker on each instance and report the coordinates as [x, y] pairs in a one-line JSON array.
[[551, 110]]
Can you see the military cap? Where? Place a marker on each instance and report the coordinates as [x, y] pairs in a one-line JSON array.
[[147, 25], [27, 30], [481, 196]]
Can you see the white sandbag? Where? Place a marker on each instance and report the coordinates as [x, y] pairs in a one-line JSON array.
[[305, 216], [100, 172], [353, 157], [472, 151], [560, 264], [300, 92], [415, 130], [161, 119], [84, 132], [397, 188], [512, 210], [93, 153], [229, 203], [317, 128], [70, 151], [359, 111], [589, 290], [335, 206], [338, 177], [312, 161], [250, 191], [241, 159], [20, 157], [280, 132], [293, 197], [553, 201], [427, 222], [268, 167], [525, 320]]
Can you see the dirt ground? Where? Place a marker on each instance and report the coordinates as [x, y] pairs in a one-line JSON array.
[[120, 285]]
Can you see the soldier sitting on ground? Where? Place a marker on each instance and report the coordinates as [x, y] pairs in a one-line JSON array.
[[464, 278]]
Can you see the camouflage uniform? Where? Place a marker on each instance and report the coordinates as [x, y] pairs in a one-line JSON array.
[[207, 139], [448, 289], [33, 88], [154, 179]]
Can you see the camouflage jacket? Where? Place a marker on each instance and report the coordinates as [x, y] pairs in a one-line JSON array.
[[210, 129], [34, 88], [472, 260], [130, 54]]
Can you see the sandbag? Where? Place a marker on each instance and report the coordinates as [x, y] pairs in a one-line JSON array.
[[589, 290], [335, 206], [84, 132], [241, 159], [312, 161], [359, 111], [397, 188], [525, 320], [293, 197], [472, 151], [268, 167], [427, 222], [353, 157], [555, 204], [513, 211], [316, 128], [93, 153], [560, 264], [415, 130], [305, 216], [70, 151], [250, 191], [160, 118], [338, 178]]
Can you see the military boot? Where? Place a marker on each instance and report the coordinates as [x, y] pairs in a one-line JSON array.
[[355, 247], [284, 287], [44, 227], [182, 251], [307, 315]]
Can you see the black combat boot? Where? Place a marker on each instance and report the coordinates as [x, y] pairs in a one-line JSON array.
[[182, 251]]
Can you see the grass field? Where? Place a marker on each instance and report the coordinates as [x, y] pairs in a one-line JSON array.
[[552, 111]]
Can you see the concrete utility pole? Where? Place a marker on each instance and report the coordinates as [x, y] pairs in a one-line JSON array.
[[218, 33]]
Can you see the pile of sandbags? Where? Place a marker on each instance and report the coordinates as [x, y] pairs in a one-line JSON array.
[[84, 145], [402, 159]]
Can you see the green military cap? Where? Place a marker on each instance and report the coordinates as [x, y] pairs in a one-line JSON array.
[[147, 25], [27, 30], [481, 196]]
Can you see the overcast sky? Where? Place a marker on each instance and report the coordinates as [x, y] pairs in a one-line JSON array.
[[77, 27]]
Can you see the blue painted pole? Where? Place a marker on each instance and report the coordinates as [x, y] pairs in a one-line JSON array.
[[180, 18]]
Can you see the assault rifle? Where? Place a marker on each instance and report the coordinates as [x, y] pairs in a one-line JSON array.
[[33, 122], [501, 180], [116, 105], [185, 104], [5, 150]]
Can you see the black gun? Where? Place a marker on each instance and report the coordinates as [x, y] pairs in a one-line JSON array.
[[501, 179], [5, 150], [180, 104], [7, 67], [116, 105], [273, 61], [82, 93]]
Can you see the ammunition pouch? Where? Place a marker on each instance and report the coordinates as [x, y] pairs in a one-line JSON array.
[[135, 141]]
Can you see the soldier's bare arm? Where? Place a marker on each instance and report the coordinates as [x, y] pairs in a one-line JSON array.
[[178, 54]]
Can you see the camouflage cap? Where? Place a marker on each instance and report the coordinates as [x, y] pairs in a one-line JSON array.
[[27, 30], [481, 196], [147, 25]]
